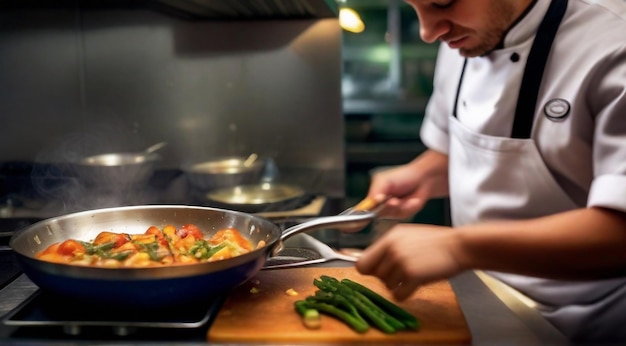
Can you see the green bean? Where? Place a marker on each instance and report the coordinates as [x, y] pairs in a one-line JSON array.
[[404, 316], [358, 325], [365, 307], [338, 301], [310, 316], [357, 305]]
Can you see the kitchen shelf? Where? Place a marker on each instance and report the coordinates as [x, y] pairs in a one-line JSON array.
[[383, 153], [382, 53], [379, 106]]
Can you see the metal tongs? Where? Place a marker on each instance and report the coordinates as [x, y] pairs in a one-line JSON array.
[[362, 213], [354, 217]]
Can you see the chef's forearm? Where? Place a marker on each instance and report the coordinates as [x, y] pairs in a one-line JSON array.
[[432, 166], [580, 244]]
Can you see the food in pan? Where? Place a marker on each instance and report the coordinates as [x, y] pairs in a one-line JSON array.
[[156, 247]]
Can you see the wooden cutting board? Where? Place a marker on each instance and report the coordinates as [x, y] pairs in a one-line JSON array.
[[268, 316]]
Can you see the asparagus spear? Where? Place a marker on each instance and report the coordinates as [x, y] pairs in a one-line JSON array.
[[303, 306], [354, 304], [310, 316], [383, 322], [405, 317]]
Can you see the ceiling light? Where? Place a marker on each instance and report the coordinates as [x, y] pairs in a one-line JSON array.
[[350, 20]]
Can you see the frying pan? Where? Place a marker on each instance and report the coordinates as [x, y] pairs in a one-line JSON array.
[[256, 198], [224, 172], [156, 287]]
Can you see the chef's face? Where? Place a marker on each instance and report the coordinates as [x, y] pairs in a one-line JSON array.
[[474, 27]]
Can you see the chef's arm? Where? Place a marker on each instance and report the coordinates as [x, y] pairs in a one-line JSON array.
[[411, 185], [432, 168], [585, 243]]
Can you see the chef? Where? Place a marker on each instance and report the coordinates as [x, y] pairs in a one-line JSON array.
[[526, 134]]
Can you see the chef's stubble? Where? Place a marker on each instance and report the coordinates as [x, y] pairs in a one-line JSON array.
[[499, 17]]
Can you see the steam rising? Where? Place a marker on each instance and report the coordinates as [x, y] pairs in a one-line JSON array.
[[57, 178]]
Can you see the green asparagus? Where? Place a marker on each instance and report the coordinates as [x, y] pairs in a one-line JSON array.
[[304, 306], [405, 317], [355, 305], [310, 316]]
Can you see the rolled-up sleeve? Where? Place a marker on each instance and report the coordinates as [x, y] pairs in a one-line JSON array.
[[608, 188], [434, 130]]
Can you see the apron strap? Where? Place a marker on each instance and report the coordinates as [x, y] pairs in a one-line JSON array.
[[533, 72], [458, 89], [535, 66]]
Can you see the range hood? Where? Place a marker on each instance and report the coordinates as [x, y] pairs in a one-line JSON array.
[[251, 9], [200, 9]]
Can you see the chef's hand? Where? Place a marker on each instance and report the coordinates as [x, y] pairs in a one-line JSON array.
[[408, 187], [410, 255]]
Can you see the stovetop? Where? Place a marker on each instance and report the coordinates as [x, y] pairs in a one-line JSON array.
[[10, 268], [8, 263], [42, 316], [61, 317]]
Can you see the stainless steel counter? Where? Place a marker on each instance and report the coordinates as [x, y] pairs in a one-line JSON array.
[[495, 315]]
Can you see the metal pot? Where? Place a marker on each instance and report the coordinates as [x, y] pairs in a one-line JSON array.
[[156, 287], [118, 170], [224, 172]]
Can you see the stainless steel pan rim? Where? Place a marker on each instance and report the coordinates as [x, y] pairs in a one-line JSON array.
[[86, 225], [160, 286]]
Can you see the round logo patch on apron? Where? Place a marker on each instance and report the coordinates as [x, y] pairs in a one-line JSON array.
[[557, 109]]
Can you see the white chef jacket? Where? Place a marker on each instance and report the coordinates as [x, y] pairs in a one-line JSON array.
[[579, 131]]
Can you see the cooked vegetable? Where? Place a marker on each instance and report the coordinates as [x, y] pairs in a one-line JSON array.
[[357, 306], [155, 247], [71, 247], [291, 292], [201, 249]]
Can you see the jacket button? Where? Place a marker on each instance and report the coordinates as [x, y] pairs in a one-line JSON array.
[[514, 57]]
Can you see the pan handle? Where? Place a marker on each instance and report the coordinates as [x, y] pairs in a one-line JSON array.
[[351, 219], [366, 205]]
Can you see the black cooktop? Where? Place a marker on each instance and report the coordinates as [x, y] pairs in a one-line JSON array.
[[54, 317], [9, 269]]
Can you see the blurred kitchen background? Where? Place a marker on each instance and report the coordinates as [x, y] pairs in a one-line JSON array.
[[322, 107], [386, 81]]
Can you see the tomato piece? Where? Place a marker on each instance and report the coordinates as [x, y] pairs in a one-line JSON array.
[[109, 237], [71, 247], [191, 230], [52, 249]]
